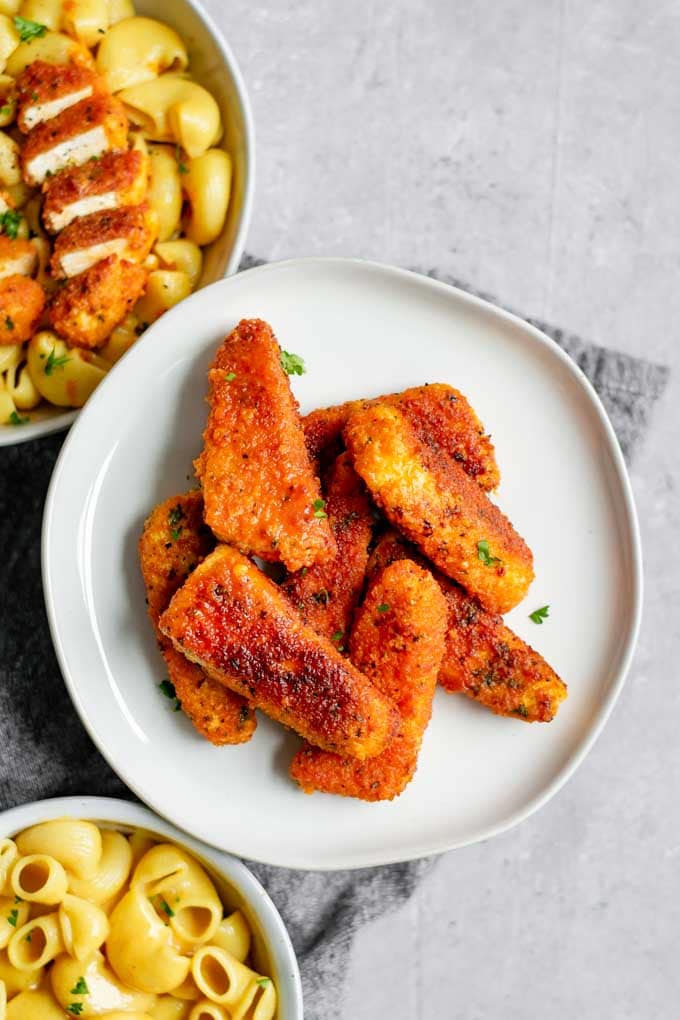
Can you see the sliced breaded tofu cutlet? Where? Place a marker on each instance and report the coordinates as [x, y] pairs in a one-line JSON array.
[[260, 492], [173, 542], [398, 642], [43, 91], [17, 257], [128, 233], [21, 304], [430, 499], [88, 307], [237, 625], [115, 179], [81, 132], [484, 659]]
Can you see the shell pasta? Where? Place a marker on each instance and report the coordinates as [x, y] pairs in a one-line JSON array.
[[96, 922]]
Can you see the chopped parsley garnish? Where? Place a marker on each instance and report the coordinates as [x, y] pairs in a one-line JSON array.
[[9, 223], [35, 97], [338, 635], [9, 323], [76, 1008], [539, 615], [230, 376], [17, 899], [181, 165], [263, 982], [384, 607], [166, 908], [55, 362], [168, 689], [5, 110], [292, 364], [17, 419], [12, 917], [80, 987], [484, 555], [28, 938], [28, 29], [175, 518], [319, 508], [523, 711], [322, 597]]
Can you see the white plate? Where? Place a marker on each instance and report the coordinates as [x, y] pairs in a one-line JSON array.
[[363, 329]]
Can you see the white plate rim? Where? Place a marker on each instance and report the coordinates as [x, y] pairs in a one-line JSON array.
[[426, 849]]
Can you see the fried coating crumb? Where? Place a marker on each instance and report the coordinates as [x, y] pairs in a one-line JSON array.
[[431, 500], [440, 414], [240, 628], [88, 307], [398, 642], [128, 233], [259, 489], [21, 304], [484, 659], [327, 594], [173, 542], [116, 179], [45, 90]]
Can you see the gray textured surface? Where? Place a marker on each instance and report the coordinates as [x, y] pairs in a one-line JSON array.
[[531, 149]]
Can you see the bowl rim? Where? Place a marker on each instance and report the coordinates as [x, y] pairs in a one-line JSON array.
[[115, 811], [60, 421]]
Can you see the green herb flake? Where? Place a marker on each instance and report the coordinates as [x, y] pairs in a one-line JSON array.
[[230, 376], [76, 1008], [17, 899], [263, 982], [338, 635], [17, 419], [55, 362], [9, 324], [318, 507], [166, 908], [539, 615], [13, 917], [9, 223], [522, 710], [322, 597], [28, 29], [28, 938], [292, 364], [484, 555], [80, 987], [181, 165], [175, 518], [168, 689], [5, 110], [383, 607]]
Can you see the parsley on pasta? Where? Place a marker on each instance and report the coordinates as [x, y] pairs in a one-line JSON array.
[[55, 362], [12, 917], [28, 29], [18, 419], [10, 219], [80, 987]]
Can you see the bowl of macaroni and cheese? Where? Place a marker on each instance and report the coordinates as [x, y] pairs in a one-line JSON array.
[[126, 183], [107, 910]]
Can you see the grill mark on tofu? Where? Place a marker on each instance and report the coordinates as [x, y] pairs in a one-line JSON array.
[[128, 233], [80, 133], [17, 257], [21, 304], [89, 306], [239, 627], [116, 179], [43, 91]]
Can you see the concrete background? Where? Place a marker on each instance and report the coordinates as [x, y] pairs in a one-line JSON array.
[[531, 150]]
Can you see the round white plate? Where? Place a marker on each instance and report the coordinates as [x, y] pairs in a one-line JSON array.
[[363, 329]]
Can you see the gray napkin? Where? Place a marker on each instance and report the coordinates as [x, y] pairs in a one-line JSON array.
[[45, 752]]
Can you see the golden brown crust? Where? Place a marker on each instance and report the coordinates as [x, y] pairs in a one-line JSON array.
[[398, 641], [122, 172], [21, 304], [326, 594], [238, 626], [173, 542], [440, 414], [137, 225], [429, 498], [89, 306], [259, 489], [42, 83], [484, 659]]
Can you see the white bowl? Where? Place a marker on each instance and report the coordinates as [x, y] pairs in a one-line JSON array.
[[272, 949], [213, 65]]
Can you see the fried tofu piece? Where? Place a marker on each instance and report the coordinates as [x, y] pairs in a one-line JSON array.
[[260, 492], [439, 413], [114, 180], [43, 91], [431, 500], [398, 642], [326, 594], [484, 659], [88, 307], [173, 542], [128, 233], [80, 133], [21, 304], [237, 625], [17, 257]]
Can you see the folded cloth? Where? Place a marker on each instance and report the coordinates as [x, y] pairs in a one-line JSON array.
[[45, 752]]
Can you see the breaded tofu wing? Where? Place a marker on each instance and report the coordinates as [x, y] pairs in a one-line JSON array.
[[21, 304], [326, 594], [440, 414], [17, 257], [431, 500], [237, 625], [43, 91], [88, 307], [398, 641], [115, 179], [260, 492], [80, 133], [484, 659], [128, 233], [173, 542]]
